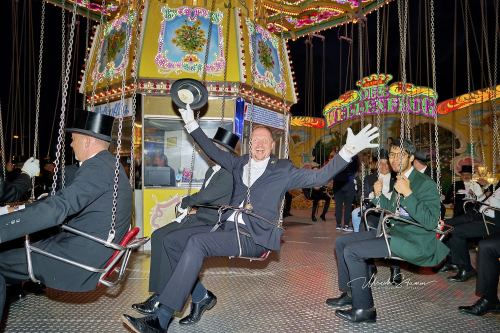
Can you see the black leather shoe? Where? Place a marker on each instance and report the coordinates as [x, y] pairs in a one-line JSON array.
[[396, 276], [323, 217], [481, 307], [449, 268], [343, 300], [148, 324], [462, 275], [314, 219], [358, 315], [197, 309], [372, 270], [147, 307]]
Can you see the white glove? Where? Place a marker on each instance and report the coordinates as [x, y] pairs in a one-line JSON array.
[[187, 114], [31, 167], [356, 143]]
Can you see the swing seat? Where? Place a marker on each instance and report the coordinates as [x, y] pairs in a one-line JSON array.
[[122, 251], [487, 207], [441, 229]]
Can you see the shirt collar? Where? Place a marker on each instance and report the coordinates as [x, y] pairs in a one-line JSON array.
[[408, 173]]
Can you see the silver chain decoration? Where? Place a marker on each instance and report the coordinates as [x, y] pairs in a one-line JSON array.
[[226, 54], [38, 88], [62, 123], [379, 120], [496, 139], [471, 136]]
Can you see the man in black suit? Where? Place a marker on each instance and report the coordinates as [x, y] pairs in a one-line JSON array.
[[344, 191], [465, 188], [85, 204], [216, 190], [17, 188], [487, 278], [268, 179]]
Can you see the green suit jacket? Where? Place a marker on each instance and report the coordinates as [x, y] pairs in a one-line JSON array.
[[417, 245]]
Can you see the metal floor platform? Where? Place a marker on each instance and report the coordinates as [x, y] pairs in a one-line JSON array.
[[284, 294]]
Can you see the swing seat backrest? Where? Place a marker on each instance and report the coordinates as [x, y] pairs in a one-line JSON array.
[[127, 239]]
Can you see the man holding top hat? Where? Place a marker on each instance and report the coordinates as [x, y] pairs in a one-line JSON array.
[[216, 190], [85, 204]]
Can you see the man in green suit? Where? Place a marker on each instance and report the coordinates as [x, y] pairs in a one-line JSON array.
[[419, 203]]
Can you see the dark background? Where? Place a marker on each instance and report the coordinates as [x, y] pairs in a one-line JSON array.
[[20, 21]]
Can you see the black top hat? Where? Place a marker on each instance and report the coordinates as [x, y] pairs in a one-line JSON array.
[[226, 139], [189, 91], [93, 124], [466, 168], [422, 156]]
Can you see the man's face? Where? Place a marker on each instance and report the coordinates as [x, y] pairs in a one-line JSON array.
[[466, 176], [384, 167], [262, 144], [396, 157], [78, 144]]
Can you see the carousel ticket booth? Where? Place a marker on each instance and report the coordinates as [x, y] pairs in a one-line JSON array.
[[159, 43]]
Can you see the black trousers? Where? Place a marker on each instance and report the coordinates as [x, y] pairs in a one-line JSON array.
[[488, 268], [161, 268], [2, 296], [344, 197], [468, 226], [288, 203], [352, 252], [373, 221], [317, 197], [186, 248]]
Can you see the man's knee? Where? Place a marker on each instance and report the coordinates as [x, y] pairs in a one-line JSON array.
[[351, 253], [489, 247]]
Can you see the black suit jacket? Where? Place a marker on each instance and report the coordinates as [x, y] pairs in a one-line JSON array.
[[13, 191], [269, 189], [218, 192], [85, 204]]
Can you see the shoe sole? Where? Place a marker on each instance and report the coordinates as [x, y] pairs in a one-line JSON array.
[[209, 307], [356, 322], [129, 324]]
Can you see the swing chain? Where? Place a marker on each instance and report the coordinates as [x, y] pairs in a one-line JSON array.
[[62, 122], [379, 121], [38, 88], [2, 143], [135, 68], [226, 54], [99, 54]]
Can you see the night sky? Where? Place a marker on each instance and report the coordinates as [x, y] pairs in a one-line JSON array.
[[338, 77]]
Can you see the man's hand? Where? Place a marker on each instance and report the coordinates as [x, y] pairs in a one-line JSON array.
[[31, 167], [403, 186], [377, 188], [356, 143], [187, 114]]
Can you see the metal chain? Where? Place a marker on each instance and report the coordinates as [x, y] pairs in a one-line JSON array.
[[2, 143], [434, 86], [135, 74], [63, 70], [471, 136], [84, 78], [204, 79], [496, 141], [379, 120], [226, 54], [360, 37], [253, 65], [62, 123], [402, 11], [38, 88], [129, 34], [286, 116]]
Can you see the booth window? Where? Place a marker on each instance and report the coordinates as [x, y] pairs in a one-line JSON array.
[[168, 151]]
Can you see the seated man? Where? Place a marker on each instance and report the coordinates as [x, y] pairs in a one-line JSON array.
[[268, 179], [487, 278], [465, 188], [85, 204], [419, 202], [216, 190], [16, 189], [470, 226]]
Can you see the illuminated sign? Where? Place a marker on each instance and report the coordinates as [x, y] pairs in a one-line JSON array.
[[463, 101], [114, 109], [376, 96], [264, 116]]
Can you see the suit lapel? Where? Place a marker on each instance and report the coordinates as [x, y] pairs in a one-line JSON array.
[[209, 172]]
